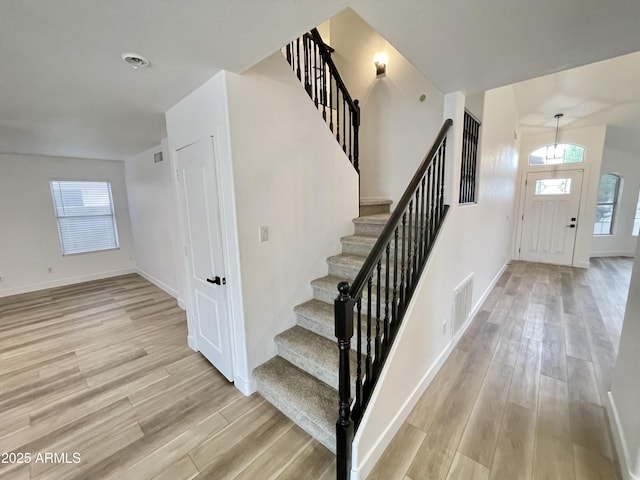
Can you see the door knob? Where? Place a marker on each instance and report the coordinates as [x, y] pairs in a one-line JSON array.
[[217, 280]]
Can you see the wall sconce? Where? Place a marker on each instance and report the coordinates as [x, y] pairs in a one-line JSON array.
[[380, 61]]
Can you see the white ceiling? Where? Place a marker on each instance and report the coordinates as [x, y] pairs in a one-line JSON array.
[[602, 93], [65, 91]]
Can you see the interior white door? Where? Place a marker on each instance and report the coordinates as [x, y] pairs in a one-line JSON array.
[[549, 224], [207, 305]]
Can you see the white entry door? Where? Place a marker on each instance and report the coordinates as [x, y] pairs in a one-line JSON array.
[[549, 224], [207, 305]]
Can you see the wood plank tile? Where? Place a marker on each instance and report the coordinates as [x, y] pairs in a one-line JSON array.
[[587, 415], [481, 434], [183, 469], [514, 452], [314, 462], [554, 360], [399, 454], [591, 466], [553, 448], [524, 386], [464, 468]]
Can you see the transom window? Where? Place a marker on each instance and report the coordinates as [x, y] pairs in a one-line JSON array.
[[607, 201], [557, 154], [84, 211]]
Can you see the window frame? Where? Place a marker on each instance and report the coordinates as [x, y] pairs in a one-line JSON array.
[[613, 203], [66, 240], [636, 219]]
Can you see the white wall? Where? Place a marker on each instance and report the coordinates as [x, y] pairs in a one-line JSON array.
[[29, 241], [625, 391], [592, 138], [153, 220], [621, 242], [421, 342], [290, 175], [203, 113], [396, 129]]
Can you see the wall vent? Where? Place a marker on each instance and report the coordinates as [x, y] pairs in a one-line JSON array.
[[461, 309], [157, 157]]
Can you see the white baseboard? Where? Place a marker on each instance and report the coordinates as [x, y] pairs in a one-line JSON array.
[[182, 304], [191, 342], [359, 472], [619, 440], [158, 283], [615, 253], [61, 282], [247, 387]]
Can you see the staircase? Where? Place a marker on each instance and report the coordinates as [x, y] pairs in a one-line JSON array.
[[302, 380]]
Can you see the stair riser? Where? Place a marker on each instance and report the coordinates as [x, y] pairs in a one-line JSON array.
[[328, 439], [329, 297], [373, 209], [350, 272], [326, 329], [375, 229]]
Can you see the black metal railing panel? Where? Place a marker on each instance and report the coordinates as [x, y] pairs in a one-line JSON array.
[[375, 303], [310, 59], [469, 169]]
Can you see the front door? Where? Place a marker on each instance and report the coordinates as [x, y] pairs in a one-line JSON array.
[[207, 304], [549, 224]]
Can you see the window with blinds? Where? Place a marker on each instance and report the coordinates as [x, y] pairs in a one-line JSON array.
[[86, 221]]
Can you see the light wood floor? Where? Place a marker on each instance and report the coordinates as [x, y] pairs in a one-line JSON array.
[[102, 369], [522, 395]]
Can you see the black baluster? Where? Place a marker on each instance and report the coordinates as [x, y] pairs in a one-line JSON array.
[[343, 307], [324, 89], [409, 249], [331, 102], [307, 83], [387, 330], [394, 310], [316, 70], [356, 133], [415, 236], [441, 196], [423, 219], [369, 361], [344, 124], [434, 198], [378, 358], [298, 72], [338, 115], [358, 402], [403, 286], [289, 54]]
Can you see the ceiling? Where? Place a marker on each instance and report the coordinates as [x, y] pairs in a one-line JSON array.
[[65, 90], [602, 93]]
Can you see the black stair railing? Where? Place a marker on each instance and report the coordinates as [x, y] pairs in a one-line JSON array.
[[375, 303], [311, 61]]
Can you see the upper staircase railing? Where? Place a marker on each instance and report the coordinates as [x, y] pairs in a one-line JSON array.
[[311, 61], [382, 290]]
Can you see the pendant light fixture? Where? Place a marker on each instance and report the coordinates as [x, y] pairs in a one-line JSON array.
[[553, 154]]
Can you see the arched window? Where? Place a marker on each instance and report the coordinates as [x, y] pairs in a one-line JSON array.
[[607, 201], [557, 154]]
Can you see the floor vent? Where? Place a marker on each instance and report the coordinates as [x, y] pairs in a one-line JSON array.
[[462, 297]]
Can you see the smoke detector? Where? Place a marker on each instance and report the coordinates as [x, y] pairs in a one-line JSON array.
[[135, 60]]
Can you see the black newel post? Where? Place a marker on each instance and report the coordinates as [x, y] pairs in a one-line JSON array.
[[343, 308]]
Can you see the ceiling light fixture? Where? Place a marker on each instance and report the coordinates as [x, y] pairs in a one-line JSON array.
[[135, 60], [380, 61], [555, 153]]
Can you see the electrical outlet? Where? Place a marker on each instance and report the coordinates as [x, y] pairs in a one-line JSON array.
[[264, 233]]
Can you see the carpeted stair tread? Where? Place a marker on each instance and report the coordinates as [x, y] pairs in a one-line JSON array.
[[307, 401], [314, 354]]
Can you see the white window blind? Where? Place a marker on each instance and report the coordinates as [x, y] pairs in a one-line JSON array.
[[84, 211]]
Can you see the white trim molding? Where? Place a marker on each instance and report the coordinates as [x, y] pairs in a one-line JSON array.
[[619, 441]]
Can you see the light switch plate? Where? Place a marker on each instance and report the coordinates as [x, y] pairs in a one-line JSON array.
[[264, 233]]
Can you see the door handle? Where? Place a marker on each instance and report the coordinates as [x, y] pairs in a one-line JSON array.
[[217, 280], [573, 225]]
